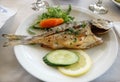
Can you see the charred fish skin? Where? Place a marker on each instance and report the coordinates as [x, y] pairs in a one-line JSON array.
[[68, 39], [86, 39]]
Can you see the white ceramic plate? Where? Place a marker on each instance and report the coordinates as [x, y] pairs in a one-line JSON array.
[[30, 57], [117, 27]]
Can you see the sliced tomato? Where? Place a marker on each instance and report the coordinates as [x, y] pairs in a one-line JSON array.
[[51, 22]]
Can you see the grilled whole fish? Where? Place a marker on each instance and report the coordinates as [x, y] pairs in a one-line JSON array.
[[78, 36]]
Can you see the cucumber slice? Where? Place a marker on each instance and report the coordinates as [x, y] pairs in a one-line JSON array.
[[36, 26], [60, 58], [32, 30], [35, 31]]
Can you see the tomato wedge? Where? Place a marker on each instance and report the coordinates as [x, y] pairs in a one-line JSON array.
[[51, 22]]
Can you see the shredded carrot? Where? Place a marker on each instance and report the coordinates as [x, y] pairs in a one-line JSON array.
[[51, 22]]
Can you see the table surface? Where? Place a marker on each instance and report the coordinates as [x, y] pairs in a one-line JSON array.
[[12, 71]]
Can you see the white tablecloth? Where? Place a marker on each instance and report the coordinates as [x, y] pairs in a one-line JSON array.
[[12, 71]]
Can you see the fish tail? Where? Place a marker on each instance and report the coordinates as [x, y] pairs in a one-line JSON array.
[[14, 39]]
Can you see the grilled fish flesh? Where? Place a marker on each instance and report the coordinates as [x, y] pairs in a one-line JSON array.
[[79, 35]]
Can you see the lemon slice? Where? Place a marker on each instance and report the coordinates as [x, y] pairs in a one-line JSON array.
[[81, 67]]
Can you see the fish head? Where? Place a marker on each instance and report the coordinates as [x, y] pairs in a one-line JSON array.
[[100, 26]]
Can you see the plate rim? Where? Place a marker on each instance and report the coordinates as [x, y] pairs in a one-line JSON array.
[[74, 8]]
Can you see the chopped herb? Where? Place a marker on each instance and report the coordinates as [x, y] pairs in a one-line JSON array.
[[70, 31], [47, 29], [50, 29], [76, 32], [84, 25], [65, 32], [75, 40], [57, 30]]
